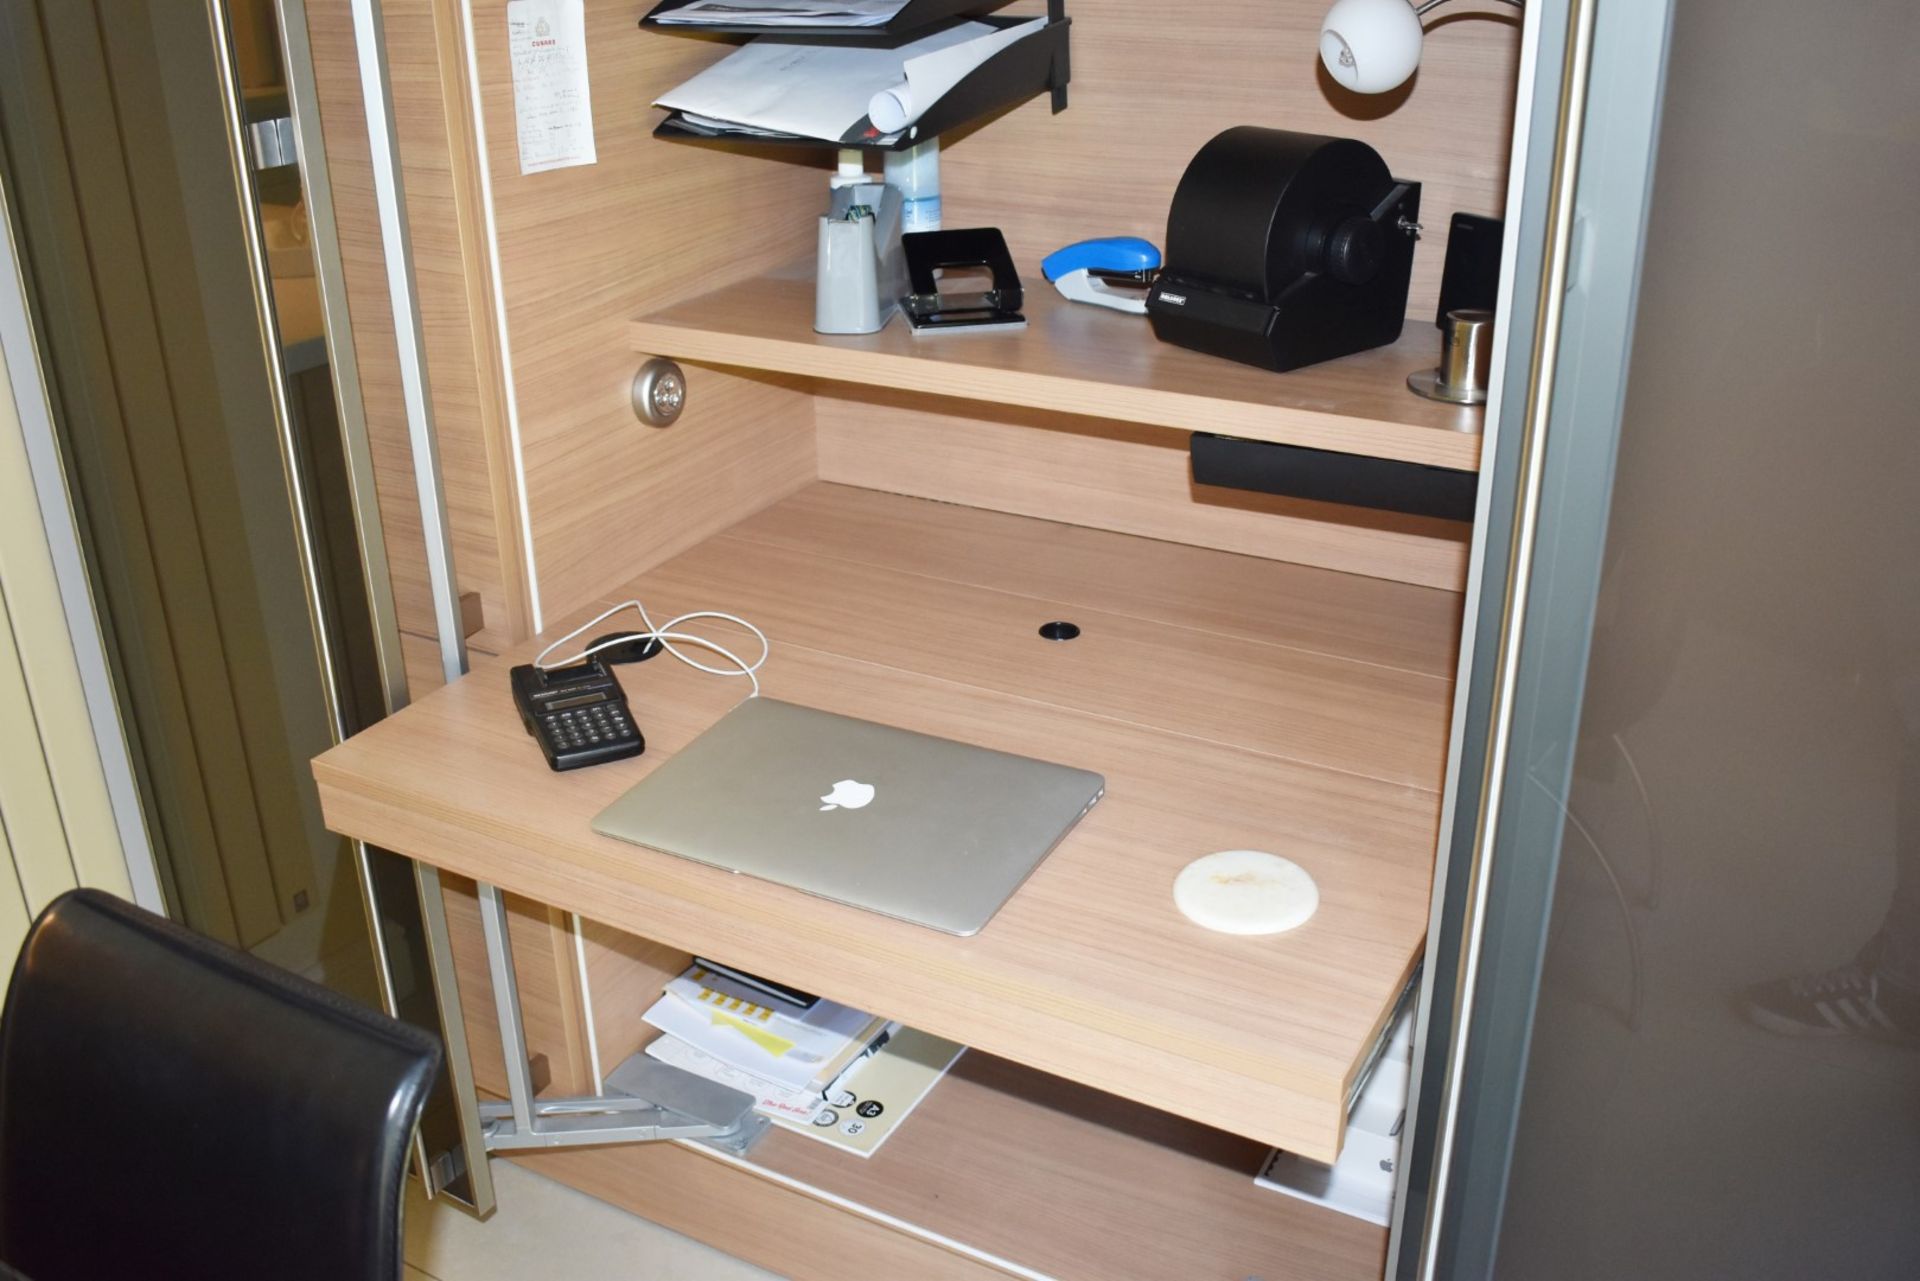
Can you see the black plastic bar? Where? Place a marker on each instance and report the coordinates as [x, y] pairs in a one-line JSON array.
[[1294, 471], [1062, 67]]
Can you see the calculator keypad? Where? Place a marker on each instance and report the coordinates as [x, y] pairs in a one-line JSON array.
[[584, 728]]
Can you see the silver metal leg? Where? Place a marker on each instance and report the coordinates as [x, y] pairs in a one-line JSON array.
[[506, 1002], [472, 1152], [444, 1168], [653, 1101]]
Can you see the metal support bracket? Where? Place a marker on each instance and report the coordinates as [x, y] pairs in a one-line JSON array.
[[649, 1101]]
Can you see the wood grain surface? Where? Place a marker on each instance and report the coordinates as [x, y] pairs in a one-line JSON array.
[[1130, 1192], [1151, 83], [1269, 601], [624, 976], [550, 1001], [1075, 359], [1020, 1168], [1088, 972], [428, 83], [1124, 477], [655, 224], [581, 251]]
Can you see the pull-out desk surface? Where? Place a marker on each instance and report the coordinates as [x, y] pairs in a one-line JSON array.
[[1230, 702]]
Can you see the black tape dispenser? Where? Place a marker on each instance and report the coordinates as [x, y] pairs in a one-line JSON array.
[[1284, 249]]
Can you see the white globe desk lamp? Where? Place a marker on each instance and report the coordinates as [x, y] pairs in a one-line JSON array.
[[1372, 46]]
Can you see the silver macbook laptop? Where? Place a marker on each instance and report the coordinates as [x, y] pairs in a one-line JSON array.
[[921, 828]]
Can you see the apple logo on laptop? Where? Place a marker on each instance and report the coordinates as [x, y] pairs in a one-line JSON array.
[[851, 793]]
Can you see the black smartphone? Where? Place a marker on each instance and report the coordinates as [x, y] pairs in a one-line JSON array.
[[577, 714]]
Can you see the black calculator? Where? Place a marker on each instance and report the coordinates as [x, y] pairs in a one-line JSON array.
[[577, 714]]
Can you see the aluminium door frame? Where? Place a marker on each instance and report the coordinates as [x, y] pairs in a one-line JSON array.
[[450, 1164], [440, 1176], [19, 347], [523, 1122], [1580, 187]]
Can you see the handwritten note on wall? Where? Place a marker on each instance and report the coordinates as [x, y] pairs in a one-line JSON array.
[[552, 107]]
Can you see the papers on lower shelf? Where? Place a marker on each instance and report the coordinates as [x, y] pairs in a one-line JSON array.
[[773, 1100], [829, 1071], [793, 1049], [782, 13], [828, 92], [1360, 1182]]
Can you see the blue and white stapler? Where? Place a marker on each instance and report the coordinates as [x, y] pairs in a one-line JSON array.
[[1112, 271]]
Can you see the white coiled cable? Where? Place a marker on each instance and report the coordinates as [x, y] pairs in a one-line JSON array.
[[668, 634]]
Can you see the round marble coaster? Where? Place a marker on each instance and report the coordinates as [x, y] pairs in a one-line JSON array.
[[1246, 892]]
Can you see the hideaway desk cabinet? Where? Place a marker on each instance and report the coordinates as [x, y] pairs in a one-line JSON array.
[[900, 517]]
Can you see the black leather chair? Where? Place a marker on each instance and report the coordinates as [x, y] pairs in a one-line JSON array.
[[170, 1107]]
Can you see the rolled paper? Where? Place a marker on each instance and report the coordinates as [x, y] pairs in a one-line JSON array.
[[930, 75], [892, 109]]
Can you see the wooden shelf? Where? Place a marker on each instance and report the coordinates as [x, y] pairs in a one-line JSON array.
[[1229, 701], [1012, 1167], [1078, 359]]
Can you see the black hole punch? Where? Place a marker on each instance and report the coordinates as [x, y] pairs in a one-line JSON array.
[[1059, 631], [636, 650]]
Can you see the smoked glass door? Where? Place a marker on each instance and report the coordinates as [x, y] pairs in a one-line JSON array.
[[1679, 1031]]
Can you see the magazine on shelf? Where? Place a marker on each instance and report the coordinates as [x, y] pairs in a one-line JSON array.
[[869, 1102]]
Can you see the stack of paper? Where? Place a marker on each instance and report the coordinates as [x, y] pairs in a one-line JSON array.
[[878, 1092], [782, 13], [832, 92], [829, 1071], [785, 1054]]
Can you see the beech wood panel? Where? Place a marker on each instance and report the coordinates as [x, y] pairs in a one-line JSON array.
[[427, 73], [1089, 361], [1088, 972], [1129, 1192], [1070, 976], [550, 1003], [420, 655], [1293, 704], [1153, 82], [1116, 476], [584, 249], [625, 974], [1269, 601]]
